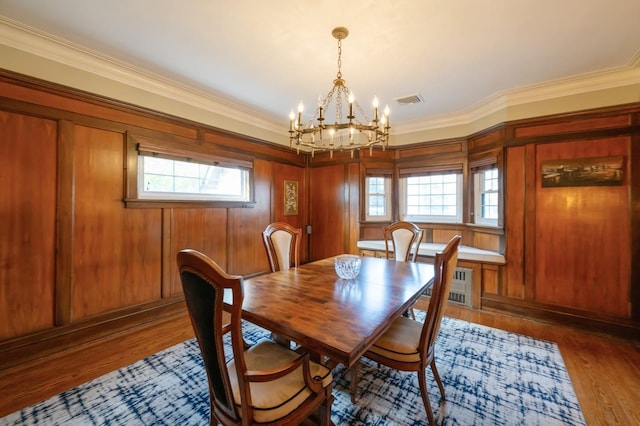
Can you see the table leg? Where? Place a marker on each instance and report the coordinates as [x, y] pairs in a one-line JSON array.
[[355, 371]]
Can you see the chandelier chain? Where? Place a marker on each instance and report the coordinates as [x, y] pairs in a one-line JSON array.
[[339, 105], [339, 75]]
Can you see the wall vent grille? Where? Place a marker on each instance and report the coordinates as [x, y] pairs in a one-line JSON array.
[[461, 287]]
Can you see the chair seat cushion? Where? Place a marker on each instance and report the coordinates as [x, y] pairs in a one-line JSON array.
[[275, 399], [400, 342]]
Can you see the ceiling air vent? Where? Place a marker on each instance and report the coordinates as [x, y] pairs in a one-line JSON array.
[[411, 99]]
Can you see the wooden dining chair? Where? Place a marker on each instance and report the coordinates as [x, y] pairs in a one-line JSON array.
[[402, 240], [282, 242], [408, 345], [266, 383]]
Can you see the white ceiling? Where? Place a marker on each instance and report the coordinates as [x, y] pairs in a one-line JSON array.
[[267, 56]]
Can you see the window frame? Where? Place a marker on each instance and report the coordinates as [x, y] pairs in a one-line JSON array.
[[441, 169], [387, 194], [138, 146], [479, 181], [477, 166], [189, 196]]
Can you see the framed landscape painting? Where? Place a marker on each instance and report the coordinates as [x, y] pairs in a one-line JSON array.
[[597, 171]]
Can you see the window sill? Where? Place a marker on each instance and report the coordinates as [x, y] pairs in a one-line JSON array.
[[186, 204], [483, 225]]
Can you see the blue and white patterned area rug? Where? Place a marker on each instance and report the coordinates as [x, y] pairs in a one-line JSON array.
[[491, 377]]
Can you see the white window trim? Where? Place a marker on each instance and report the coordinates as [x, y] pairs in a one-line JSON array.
[[431, 218], [387, 192], [166, 195], [477, 202], [189, 151]]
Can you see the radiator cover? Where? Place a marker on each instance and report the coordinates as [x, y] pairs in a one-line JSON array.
[[461, 287]]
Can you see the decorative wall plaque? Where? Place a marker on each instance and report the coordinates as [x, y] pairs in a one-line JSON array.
[[290, 197]]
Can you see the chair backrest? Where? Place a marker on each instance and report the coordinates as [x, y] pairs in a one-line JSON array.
[[282, 242], [405, 238], [445, 266], [204, 284]]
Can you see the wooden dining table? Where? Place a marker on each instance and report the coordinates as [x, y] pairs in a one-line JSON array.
[[331, 316]]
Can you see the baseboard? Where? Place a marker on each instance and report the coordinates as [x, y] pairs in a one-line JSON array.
[[610, 326]]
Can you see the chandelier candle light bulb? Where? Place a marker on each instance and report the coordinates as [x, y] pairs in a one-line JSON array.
[[351, 100], [375, 109], [350, 135]]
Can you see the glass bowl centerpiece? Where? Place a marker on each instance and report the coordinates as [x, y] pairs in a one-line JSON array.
[[347, 266]]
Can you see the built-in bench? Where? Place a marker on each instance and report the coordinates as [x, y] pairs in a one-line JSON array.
[[467, 253], [476, 267]]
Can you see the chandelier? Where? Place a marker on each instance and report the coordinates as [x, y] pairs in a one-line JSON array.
[[352, 134]]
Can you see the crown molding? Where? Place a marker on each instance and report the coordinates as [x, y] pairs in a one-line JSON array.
[[36, 42], [554, 89]]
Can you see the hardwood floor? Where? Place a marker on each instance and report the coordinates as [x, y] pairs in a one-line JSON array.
[[605, 371]]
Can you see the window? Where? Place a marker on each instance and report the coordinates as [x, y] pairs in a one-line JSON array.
[[486, 196], [431, 197], [378, 198], [186, 173], [164, 178]]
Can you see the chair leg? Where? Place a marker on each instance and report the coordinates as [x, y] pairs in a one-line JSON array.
[[355, 370], [437, 376], [422, 380], [325, 410]]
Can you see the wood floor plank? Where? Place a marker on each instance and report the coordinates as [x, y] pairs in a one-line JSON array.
[[605, 371]]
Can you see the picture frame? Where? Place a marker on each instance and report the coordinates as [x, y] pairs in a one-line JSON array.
[[290, 197], [594, 171]]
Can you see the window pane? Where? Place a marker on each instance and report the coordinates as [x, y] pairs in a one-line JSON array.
[[436, 210], [187, 185], [377, 205], [449, 210], [377, 198], [433, 195], [487, 196], [435, 179], [158, 183], [186, 169], [449, 188], [449, 200], [189, 180]]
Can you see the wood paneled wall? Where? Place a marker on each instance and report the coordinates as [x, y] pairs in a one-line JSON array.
[[282, 173], [329, 210], [571, 247], [83, 276], [582, 235], [70, 235], [82, 273], [116, 252], [570, 251], [27, 224]]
